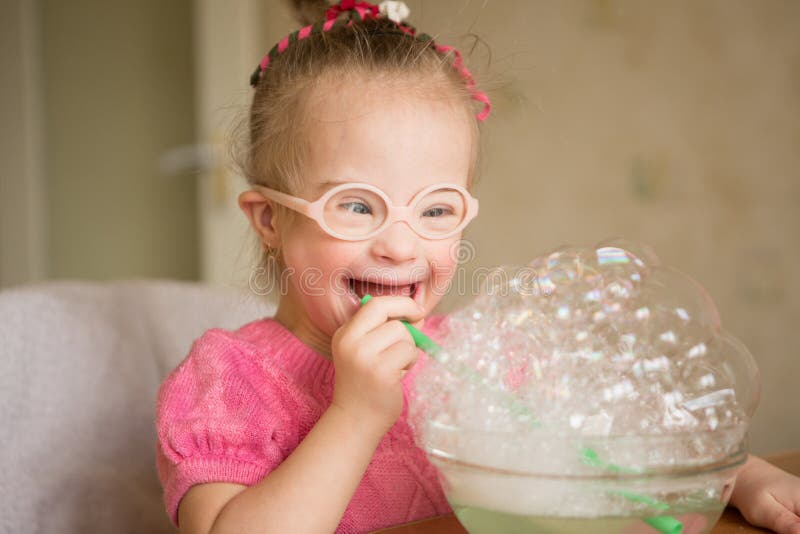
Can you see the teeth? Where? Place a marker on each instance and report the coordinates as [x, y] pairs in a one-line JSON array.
[[359, 287]]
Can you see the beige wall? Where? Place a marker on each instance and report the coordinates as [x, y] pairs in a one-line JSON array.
[[675, 124], [118, 92], [670, 123]]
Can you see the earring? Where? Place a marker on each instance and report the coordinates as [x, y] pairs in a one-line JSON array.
[[271, 252]]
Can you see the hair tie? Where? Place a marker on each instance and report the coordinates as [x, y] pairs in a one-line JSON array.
[[393, 10], [345, 6]]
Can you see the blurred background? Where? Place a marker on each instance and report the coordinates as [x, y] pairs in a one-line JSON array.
[[673, 124]]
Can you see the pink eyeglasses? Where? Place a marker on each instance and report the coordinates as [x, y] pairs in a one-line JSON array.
[[356, 211]]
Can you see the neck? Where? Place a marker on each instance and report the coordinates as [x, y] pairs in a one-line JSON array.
[[301, 327]]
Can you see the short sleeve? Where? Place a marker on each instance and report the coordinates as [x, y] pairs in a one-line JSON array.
[[220, 418]]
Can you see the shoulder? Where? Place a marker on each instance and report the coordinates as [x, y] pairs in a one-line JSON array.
[[217, 355], [221, 353], [224, 414], [226, 378]]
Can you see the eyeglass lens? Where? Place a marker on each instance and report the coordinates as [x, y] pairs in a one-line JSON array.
[[357, 212]]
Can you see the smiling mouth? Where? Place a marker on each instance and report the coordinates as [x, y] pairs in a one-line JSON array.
[[362, 287]]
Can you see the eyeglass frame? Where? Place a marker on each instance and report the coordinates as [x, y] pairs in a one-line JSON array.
[[315, 209]]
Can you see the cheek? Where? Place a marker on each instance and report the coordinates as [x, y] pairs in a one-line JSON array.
[[448, 253], [444, 262], [307, 246], [318, 262]]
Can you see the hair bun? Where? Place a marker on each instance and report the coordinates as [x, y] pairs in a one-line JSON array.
[[309, 12]]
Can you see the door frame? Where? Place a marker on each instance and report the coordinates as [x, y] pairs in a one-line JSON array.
[[23, 213]]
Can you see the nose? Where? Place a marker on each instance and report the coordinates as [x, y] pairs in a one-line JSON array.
[[398, 243]]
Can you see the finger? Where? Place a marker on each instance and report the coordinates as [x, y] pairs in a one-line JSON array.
[[386, 335], [768, 512], [381, 309], [399, 357], [787, 520], [784, 521], [419, 324]]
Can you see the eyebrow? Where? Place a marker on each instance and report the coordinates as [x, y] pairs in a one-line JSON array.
[[324, 186], [332, 182]]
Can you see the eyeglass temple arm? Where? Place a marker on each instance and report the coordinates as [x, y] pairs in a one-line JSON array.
[[300, 205]]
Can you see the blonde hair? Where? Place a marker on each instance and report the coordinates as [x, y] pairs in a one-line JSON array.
[[273, 148]]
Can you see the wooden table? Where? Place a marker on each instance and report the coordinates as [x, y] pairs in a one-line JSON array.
[[731, 521]]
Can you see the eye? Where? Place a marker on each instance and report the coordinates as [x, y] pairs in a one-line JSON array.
[[356, 207], [437, 211]]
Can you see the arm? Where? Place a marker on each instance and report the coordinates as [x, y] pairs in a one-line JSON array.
[[308, 492], [767, 496]]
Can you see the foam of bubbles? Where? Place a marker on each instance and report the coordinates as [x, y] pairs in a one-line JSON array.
[[600, 345]]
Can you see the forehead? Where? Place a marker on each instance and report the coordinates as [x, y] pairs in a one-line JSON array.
[[388, 135]]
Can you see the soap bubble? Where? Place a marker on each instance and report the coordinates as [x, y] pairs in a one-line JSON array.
[[596, 344]]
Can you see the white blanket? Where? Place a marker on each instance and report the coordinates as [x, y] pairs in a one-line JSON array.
[[80, 364]]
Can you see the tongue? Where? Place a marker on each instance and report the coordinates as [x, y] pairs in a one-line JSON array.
[[377, 290]]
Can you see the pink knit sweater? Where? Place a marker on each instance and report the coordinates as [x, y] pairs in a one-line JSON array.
[[242, 401]]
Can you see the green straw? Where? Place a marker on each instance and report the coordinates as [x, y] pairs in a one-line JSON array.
[[590, 457], [420, 340], [434, 350], [663, 523]]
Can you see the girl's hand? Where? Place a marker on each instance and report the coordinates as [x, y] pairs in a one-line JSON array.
[[371, 353], [768, 497]]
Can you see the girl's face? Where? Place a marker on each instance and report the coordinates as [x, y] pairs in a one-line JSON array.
[[400, 144]]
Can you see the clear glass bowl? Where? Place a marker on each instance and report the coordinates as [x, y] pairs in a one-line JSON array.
[[527, 483]]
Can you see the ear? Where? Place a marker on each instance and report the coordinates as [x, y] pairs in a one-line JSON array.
[[262, 215]]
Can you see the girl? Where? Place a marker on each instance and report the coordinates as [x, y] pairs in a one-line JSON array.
[[363, 150]]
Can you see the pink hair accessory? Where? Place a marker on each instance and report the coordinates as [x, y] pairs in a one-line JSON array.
[[466, 75], [393, 10], [351, 5]]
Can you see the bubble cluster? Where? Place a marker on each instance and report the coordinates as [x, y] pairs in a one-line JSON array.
[[595, 343]]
